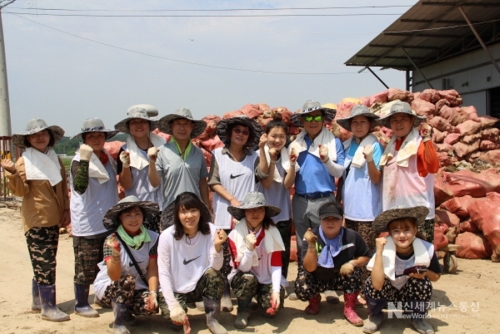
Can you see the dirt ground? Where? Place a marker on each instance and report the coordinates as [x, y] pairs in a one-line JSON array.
[[463, 303]]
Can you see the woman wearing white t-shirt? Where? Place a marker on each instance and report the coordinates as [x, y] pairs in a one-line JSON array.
[[189, 261]]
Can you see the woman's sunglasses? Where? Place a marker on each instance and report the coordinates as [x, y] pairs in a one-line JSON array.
[[317, 118], [243, 132]]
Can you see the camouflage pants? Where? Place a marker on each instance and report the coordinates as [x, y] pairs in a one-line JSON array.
[[210, 285], [366, 231], [88, 253], [426, 230], [123, 292], [246, 286], [307, 286], [42, 246]]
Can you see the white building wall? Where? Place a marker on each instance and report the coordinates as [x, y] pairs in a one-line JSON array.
[[471, 74]]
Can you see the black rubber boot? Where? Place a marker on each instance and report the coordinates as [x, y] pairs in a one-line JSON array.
[[82, 307], [36, 305], [417, 312], [121, 314], [376, 317], [227, 304], [243, 313], [50, 311]]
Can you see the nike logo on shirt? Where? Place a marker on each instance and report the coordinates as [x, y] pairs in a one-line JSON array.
[[187, 261], [235, 176]]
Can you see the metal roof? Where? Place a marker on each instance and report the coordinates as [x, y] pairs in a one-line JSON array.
[[431, 31]]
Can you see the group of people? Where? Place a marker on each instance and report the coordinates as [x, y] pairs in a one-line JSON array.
[[166, 245]]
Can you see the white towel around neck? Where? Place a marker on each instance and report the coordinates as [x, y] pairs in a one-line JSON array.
[[137, 159], [389, 257], [97, 169], [359, 160], [409, 147], [42, 166], [272, 241], [325, 137]]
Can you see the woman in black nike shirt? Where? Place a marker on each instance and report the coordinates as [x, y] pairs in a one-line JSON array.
[[189, 261], [232, 176]]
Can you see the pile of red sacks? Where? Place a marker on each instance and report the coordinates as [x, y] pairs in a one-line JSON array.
[[467, 187]]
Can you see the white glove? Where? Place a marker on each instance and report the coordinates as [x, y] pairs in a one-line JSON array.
[[125, 159], [152, 153], [251, 240], [86, 152], [323, 153], [368, 152], [275, 300], [178, 315]]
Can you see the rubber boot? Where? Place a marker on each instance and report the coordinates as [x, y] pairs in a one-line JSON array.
[[226, 302], [243, 313], [349, 309], [36, 306], [212, 311], [50, 311], [418, 312], [313, 307], [375, 319], [82, 307], [121, 314], [331, 297]]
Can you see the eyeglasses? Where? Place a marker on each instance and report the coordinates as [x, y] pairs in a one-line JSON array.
[[317, 118], [243, 132]]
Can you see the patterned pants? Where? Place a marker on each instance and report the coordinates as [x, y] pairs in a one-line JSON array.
[[307, 286], [123, 292], [414, 289], [210, 285], [366, 231], [246, 286], [88, 253], [285, 229], [426, 230], [226, 253], [42, 246]]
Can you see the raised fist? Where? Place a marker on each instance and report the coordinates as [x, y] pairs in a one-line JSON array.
[[323, 153], [125, 159], [85, 152]]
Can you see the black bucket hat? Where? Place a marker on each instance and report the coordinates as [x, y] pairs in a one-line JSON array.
[[418, 213], [111, 221]]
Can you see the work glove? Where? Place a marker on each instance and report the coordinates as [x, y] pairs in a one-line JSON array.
[[86, 152], [125, 159], [368, 153]]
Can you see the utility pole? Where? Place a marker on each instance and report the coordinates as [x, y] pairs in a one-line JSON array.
[[5, 127]]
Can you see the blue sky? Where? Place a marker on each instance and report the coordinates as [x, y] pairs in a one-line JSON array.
[[60, 69]]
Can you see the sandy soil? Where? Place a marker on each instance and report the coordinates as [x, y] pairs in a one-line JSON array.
[[474, 289]]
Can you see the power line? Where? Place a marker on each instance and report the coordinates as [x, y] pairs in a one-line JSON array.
[[217, 10], [180, 61], [198, 16]]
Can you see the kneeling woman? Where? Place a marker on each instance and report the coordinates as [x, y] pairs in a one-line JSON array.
[[256, 246], [189, 260], [401, 269], [331, 261], [128, 276]]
